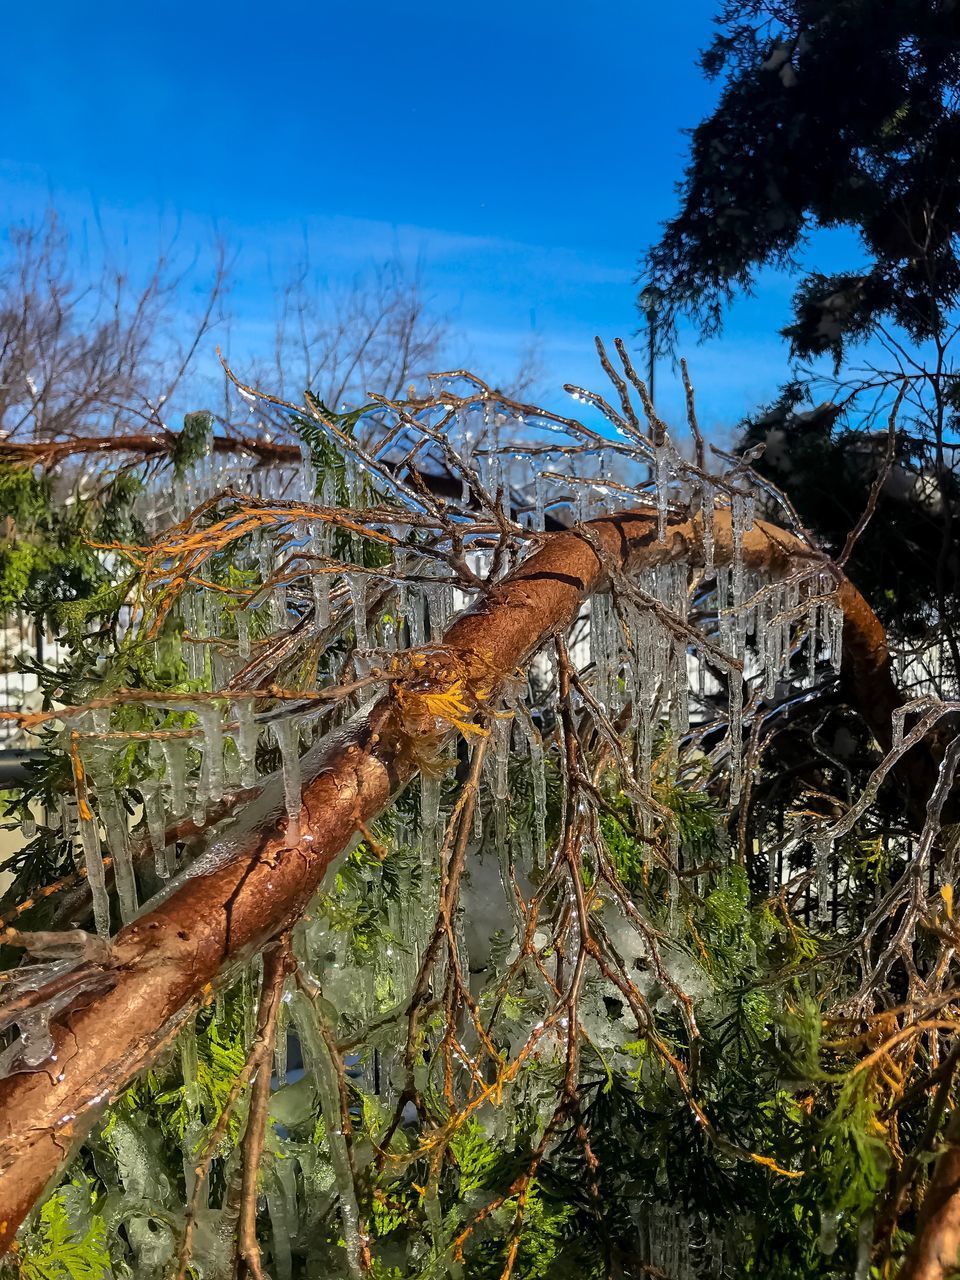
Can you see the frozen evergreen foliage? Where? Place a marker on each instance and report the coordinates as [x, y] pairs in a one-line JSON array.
[[597, 995], [838, 115], [842, 116]]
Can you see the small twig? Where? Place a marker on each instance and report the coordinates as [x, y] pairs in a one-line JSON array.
[[879, 481], [276, 964]]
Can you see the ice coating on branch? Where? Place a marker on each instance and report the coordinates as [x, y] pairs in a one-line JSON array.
[[835, 625], [661, 480], [286, 734], [823, 857], [735, 737], [539, 512], [651, 662], [33, 1048]]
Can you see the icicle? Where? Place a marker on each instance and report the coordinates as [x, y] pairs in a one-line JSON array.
[[735, 736], [246, 741], [212, 721], [495, 483], [114, 818], [811, 626], [210, 789], [320, 586], [709, 540], [823, 851], [865, 1235], [749, 510], [772, 655], [325, 1079], [825, 587], [599, 656], [539, 515], [415, 620], [501, 844], [278, 606], [358, 598], [476, 830], [738, 519], [282, 1268], [501, 758], [189, 1067], [156, 828], [196, 652], [430, 794], [725, 623], [243, 635], [661, 479], [681, 699], [93, 861], [285, 733], [836, 636], [439, 599], [175, 775], [538, 773], [280, 1048]]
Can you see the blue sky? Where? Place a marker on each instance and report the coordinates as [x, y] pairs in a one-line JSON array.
[[524, 153]]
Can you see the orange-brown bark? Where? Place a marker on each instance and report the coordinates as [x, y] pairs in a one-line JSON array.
[[935, 1252], [249, 884], [146, 444]]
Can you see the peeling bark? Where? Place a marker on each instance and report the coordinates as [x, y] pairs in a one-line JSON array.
[[249, 885], [935, 1252]]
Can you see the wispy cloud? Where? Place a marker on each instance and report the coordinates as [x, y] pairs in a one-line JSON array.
[[502, 293]]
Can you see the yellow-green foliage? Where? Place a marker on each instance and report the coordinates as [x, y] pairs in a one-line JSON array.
[[56, 1249]]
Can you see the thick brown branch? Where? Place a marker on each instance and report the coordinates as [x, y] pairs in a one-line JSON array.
[[935, 1252], [49, 453], [250, 885]]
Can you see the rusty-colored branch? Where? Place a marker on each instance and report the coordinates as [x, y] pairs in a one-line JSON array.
[[275, 969], [276, 965], [49, 453], [935, 1252], [249, 885]]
